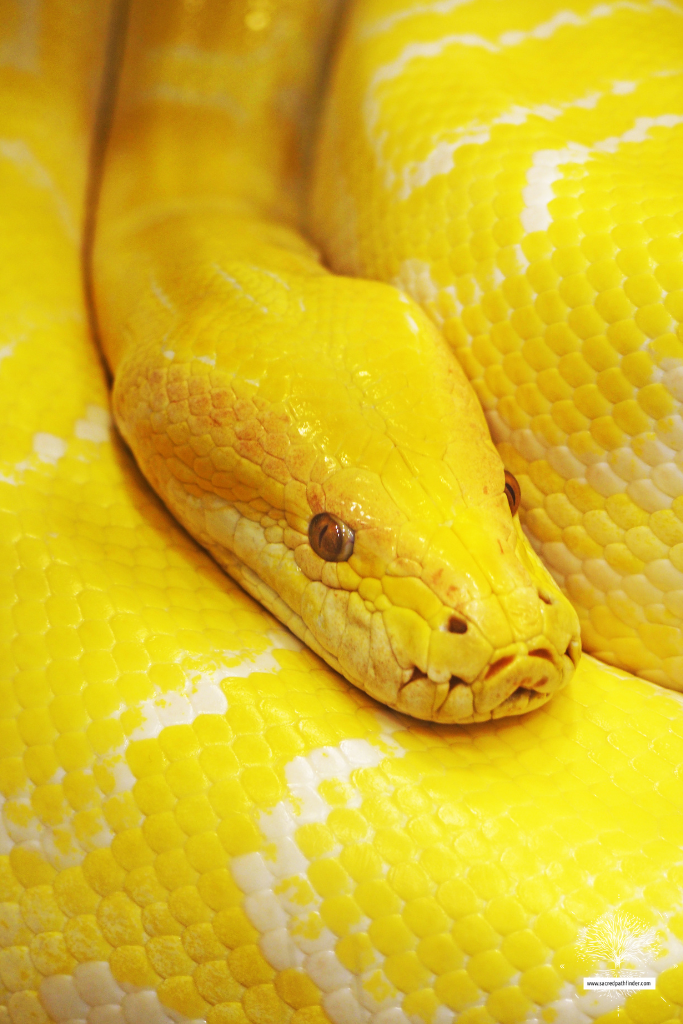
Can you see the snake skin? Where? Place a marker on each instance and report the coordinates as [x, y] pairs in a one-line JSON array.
[[201, 821]]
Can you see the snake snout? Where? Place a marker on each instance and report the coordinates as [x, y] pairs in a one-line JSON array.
[[513, 682], [483, 634]]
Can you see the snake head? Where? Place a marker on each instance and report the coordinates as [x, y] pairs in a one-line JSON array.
[[448, 621], [323, 443]]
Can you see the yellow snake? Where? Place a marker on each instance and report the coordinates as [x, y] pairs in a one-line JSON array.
[[201, 821]]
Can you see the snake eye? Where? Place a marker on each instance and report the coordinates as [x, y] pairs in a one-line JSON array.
[[513, 492], [330, 537]]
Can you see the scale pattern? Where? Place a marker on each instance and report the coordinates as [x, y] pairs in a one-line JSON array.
[[200, 820], [490, 159]]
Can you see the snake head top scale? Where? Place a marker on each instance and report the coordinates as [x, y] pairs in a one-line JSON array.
[[340, 468]]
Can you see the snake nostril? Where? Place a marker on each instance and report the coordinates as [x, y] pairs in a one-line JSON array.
[[499, 665], [456, 625], [545, 597]]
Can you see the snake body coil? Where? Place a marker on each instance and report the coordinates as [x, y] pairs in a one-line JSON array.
[[201, 821]]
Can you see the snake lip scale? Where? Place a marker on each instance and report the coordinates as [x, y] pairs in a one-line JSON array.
[[522, 699]]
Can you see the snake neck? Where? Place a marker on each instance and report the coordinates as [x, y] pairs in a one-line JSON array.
[[258, 391]]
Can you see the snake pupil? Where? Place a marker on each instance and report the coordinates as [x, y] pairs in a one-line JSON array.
[[513, 492], [330, 538]]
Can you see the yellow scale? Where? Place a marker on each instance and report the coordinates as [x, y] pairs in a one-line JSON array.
[[200, 819]]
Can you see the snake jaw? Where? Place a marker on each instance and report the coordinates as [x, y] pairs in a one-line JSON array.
[[509, 685]]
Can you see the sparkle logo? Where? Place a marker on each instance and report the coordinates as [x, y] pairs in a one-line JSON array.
[[624, 945]]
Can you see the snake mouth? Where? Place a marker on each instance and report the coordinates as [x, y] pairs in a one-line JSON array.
[[512, 684]]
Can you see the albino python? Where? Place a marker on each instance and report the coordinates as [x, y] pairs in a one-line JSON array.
[[201, 820]]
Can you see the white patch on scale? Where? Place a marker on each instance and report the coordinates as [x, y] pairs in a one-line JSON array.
[[511, 38], [201, 695], [49, 448], [91, 995], [546, 164], [95, 426], [291, 934], [441, 158], [6, 351], [161, 296]]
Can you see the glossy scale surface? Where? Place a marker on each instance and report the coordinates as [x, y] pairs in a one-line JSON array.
[[201, 821]]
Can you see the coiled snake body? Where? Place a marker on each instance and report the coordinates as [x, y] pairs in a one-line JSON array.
[[201, 820]]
